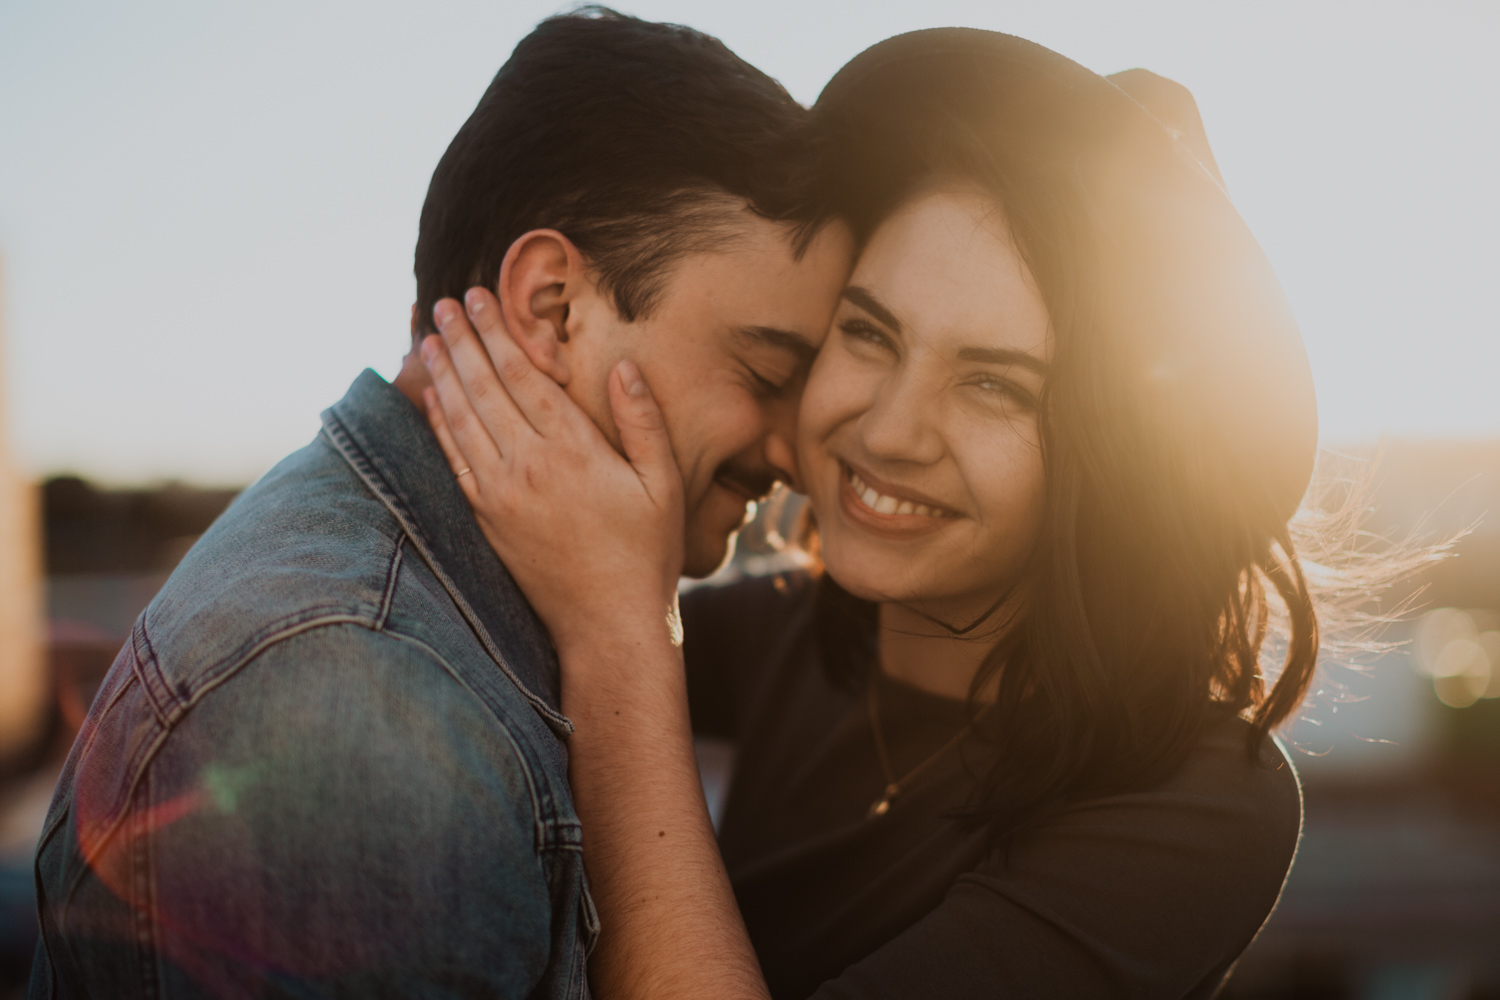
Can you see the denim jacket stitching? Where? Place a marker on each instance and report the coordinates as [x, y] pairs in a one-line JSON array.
[[549, 832], [55, 823], [159, 695], [590, 920], [138, 771], [564, 835], [578, 972], [139, 766], [143, 905], [87, 736], [543, 812], [339, 437], [487, 686], [273, 632], [392, 574], [40, 889]]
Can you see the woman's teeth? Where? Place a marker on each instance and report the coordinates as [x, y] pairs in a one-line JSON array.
[[882, 504]]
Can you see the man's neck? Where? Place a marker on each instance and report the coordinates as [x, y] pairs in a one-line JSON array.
[[412, 379]]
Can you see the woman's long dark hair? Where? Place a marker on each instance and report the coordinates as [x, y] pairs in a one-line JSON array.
[[1159, 567]]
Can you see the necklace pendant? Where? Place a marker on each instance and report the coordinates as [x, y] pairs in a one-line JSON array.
[[883, 804]]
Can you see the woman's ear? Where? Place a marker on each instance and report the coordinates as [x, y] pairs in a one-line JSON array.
[[541, 279]]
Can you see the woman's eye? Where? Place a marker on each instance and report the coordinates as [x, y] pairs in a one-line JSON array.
[[858, 329], [1004, 389]]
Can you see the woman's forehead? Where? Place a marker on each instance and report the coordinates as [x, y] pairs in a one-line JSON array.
[[945, 266]]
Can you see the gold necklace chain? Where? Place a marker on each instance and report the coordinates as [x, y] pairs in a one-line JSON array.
[[882, 805]]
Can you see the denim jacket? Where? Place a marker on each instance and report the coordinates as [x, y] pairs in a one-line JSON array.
[[329, 762]]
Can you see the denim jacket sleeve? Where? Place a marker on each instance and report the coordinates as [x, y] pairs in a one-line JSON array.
[[336, 819]]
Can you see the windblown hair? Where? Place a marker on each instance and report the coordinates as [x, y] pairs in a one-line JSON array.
[[638, 141], [1149, 598]]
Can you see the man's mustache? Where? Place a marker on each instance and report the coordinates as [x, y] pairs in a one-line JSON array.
[[754, 484]]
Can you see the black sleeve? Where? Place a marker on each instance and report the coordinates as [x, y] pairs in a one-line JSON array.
[[1152, 894], [731, 633]]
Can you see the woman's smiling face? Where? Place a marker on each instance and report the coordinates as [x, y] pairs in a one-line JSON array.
[[918, 437]]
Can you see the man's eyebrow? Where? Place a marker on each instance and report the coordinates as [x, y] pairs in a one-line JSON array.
[[1003, 356], [867, 301], [784, 340]]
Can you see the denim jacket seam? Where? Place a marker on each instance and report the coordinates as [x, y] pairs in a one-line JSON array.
[[40, 889], [137, 767], [69, 773], [561, 835], [142, 763], [121, 691], [55, 823], [159, 695], [544, 825], [138, 774], [341, 439], [542, 812], [140, 767], [392, 575], [299, 621], [144, 908]]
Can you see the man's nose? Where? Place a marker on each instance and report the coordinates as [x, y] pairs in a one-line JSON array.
[[780, 447], [781, 456]]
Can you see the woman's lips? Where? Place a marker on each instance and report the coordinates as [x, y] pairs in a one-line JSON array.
[[887, 511]]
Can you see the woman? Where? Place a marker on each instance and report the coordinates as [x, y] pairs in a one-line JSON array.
[[1014, 739]]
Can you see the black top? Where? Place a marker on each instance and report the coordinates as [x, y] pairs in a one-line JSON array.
[[1147, 894]]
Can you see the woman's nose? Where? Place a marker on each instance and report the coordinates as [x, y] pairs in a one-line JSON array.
[[900, 424]]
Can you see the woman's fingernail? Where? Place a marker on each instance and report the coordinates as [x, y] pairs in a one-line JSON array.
[[428, 349], [474, 301], [630, 376], [442, 314]]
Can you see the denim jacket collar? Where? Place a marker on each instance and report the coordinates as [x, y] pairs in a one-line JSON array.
[[388, 443]]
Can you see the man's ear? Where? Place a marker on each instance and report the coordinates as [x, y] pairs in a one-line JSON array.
[[541, 279]]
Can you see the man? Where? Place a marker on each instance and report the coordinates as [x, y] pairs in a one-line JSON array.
[[330, 760]]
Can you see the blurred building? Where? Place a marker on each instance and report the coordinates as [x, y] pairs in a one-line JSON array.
[[22, 680], [23, 696], [107, 553]]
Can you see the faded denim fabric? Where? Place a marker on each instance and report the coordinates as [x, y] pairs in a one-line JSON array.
[[329, 761]]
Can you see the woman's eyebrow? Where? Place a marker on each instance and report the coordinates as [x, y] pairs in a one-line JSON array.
[[1003, 356], [867, 301]]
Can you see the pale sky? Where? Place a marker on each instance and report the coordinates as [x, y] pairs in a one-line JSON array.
[[207, 211]]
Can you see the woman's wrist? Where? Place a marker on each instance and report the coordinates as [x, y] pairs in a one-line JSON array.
[[620, 633], [635, 665], [657, 877]]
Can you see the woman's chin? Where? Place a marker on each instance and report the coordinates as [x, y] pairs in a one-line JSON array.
[[873, 573], [869, 579]]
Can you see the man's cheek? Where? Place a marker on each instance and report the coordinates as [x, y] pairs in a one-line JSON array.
[[709, 542]]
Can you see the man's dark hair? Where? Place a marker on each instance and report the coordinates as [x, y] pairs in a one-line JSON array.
[[635, 140]]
